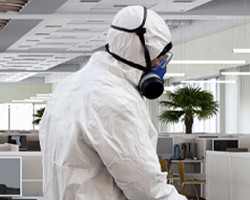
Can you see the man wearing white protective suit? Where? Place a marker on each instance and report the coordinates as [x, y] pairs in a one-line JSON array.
[[97, 140]]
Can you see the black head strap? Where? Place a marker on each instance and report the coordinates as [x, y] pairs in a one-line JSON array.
[[140, 31]]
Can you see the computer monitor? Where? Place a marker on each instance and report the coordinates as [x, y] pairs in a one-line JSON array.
[[20, 140], [10, 177], [32, 172], [165, 148], [208, 136], [222, 144]]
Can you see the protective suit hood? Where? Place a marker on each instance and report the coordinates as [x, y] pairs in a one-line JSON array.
[[128, 45]]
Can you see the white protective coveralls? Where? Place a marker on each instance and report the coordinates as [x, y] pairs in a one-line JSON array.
[[97, 140]]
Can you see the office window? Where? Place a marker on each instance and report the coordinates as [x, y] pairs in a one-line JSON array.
[[4, 119], [21, 116]]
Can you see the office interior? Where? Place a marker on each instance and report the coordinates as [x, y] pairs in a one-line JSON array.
[[43, 42]]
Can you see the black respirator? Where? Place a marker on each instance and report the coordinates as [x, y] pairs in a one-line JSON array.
[[151, 84]]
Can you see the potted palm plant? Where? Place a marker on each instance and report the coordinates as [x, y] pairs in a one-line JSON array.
[[38, 116], [186, 103]]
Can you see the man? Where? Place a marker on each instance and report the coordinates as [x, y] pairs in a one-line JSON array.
[[97, 140]]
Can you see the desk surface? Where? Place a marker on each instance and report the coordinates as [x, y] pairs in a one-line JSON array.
[[198, 176], [187, 161], [28, 198]]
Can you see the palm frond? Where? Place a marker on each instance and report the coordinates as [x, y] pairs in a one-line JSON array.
[[171, 116], [189, 102], [38, 115]]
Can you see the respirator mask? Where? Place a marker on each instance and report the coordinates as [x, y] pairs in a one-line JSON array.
[[151, 84]]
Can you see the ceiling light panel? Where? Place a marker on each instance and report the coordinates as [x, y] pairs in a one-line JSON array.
[[89, 1], [89, 22], [235, 73], [107, 5], [210, 81], [33, 61], [241, 50], [178, 5], [56, 44], [183, 1], [207, 62]]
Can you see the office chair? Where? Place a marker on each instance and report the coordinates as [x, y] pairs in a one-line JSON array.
[[184, 181], [165, 168]]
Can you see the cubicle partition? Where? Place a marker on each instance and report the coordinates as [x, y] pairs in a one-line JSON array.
[[227, 175], [32, 173]]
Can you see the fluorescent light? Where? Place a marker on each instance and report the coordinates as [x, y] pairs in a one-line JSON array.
[[33, 100], [43, 98], [213, 62], [169, 88], [28, 101], [210, 81], [235, 73], [17, 101], [43, 95], [241, 50], [174, 75]]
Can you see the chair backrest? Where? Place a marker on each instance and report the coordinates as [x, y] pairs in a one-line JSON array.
[[164, 165], [181, 171]]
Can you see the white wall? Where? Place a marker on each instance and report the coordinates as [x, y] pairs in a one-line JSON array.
[[20, 91], [216, 46], [235, 103]]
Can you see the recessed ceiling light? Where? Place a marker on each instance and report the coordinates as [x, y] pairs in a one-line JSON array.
[[27, 59], [24, 46], [52, 61], [28, 55], [174, 75], [97, 40], [48, 49], [212, 62], [183, 1], [235, 73], [72, 30], [53, 26], [84, 46], [120, 5], [89, 1], [32, 40], [56, 44], [209, 81], [42, 34], [60, 57], [61, 37], [96, 21], [241, 50]]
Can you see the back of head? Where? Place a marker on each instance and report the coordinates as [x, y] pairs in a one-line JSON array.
[[127, 44]]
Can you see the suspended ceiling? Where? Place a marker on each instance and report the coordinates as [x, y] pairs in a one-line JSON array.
[[41, 37]]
